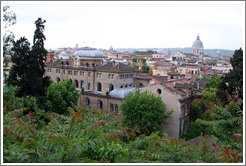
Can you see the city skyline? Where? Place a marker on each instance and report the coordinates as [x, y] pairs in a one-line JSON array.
[[220, 25]]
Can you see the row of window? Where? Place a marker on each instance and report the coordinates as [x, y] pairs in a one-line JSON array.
[[82, 85], [111, 76], [126, 76], [113, 108]]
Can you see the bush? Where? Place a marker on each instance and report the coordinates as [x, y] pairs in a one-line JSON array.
[[61, 96], [195, 130], [145, 110]]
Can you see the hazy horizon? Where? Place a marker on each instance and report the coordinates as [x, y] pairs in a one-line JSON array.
[[155, 24]]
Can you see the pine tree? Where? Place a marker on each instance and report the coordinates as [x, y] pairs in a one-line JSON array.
[[28, 69], [232, 83]]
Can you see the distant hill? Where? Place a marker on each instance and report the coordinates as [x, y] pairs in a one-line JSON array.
[[211, 52]]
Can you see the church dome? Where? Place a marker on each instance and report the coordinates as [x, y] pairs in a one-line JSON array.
[[197, 43], [89, 53]]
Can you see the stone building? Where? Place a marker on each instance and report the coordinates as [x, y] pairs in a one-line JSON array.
[[102, 84], [177, 95]]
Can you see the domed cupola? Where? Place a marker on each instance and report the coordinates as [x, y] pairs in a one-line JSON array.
[[89, 54], [197, 47]]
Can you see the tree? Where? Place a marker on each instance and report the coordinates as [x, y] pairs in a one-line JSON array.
[[28, 69], [232, 83], [145, 110], [61, 96], [198, 106], [9, 19], [223, 121]]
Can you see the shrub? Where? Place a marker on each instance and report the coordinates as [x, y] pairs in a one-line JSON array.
[[145, 110]]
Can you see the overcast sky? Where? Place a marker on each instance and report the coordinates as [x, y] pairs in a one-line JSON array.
[[133, 24]]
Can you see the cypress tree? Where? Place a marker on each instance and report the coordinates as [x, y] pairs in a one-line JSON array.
[[28, 70]]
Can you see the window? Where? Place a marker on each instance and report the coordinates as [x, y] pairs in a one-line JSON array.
[[58, 80], [100, 104], [112, 107], [111, 87], [126, 86], [180, 71], [116, 109], [76, 83], [87, 102], [112, 76], [89, 74], [64, 71], [71, 81], [99, 86], [75, 73], [158, 91], [89, 86], [109, 76], [121, 86], [82, 84]]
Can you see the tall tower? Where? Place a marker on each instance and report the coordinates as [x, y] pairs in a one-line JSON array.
[[197, 47]]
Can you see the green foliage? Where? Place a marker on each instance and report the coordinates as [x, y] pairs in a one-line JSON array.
[[195, 130], [223, 121], [28, 71], [61, 96], [232, 82], [145, 110], [213, 82], [97, 136]]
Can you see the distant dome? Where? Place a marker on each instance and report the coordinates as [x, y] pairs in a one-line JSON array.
[[89, 53], [122, 92], [197, 43]]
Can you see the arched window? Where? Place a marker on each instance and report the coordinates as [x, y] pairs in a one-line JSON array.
[[100, 104], [82, 84], [87, 102], [76, 83], [116, 109], [121, 86], [112, 107], [140, 85], [158, 91], [99, 86], [58, 80], [71, 80], [126, 86], [111, 87]]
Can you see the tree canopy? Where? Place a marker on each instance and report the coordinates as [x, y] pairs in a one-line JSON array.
[[145, 110], [28, 69], [232, 82], [60, 96]]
